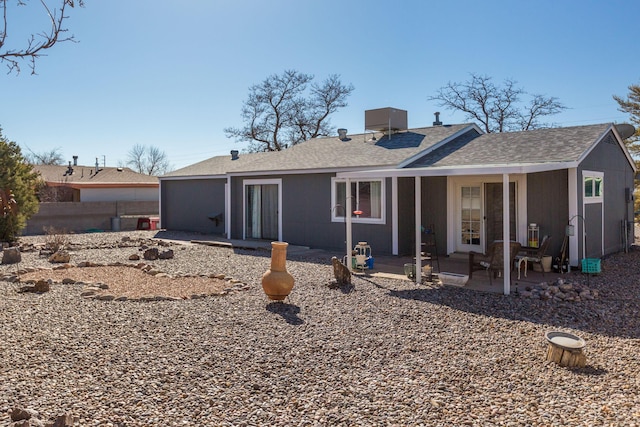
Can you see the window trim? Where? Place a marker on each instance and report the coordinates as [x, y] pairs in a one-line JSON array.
[[337, 217], [592, 175]]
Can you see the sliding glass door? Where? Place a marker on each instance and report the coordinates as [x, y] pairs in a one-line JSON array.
[[261, 211]]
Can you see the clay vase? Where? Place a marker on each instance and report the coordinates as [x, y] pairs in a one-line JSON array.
[[277, 282]]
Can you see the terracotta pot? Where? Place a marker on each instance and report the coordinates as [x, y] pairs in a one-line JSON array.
[[277, 282]]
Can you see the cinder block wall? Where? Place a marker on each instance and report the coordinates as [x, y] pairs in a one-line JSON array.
[[83, 216]]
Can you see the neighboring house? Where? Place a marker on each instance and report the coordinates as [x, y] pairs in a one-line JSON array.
[[75, 183], [451, 177], [85, 198]]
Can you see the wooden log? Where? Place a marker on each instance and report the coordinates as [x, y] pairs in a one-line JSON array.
[[564, 357]]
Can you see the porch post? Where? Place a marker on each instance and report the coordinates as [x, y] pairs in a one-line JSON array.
[[418, 202], [347, 217], [506, 234]]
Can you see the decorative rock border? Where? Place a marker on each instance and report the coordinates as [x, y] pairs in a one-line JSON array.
[[94, 290], [559, 291]]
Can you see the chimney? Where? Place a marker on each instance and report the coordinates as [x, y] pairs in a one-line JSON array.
[[75, 160], [437, 122], [342, 133], [234, 155]]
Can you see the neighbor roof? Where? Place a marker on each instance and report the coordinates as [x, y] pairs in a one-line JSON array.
[[332, 153], [85, 176]]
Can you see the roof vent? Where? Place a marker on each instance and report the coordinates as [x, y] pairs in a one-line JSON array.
[[437, 122], [385, 120], [234, 155], [342, 133], [69, 170]]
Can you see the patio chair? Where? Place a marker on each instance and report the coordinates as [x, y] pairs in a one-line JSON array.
[[493, 260], [535, 255]]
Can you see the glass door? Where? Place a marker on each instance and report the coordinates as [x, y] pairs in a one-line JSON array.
[[261, 216], [471, 236]]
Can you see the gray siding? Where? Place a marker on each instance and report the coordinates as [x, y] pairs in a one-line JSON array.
[[186, 205], [406, 216], [609, 158], [548, 205], [306, 215], [434, 208]]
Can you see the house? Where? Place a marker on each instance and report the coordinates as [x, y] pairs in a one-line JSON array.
[[394, 180], [80, 198], [75, 183]]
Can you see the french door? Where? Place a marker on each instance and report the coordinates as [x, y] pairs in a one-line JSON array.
[[470, 216], [479, 214]]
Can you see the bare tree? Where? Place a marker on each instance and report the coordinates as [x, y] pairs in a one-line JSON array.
[[287, 109], [37, 43], [148, 160], [497, 108], [52, 157]]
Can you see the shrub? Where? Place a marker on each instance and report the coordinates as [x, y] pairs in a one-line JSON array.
[[55, 239]]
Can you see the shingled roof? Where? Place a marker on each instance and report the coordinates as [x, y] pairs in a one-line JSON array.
[[553, 145], [333, 153], [86, 176]]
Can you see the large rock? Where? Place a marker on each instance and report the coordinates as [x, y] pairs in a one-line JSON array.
[[151, 254], [11, 256], [60, 256], [168, 254], [19, 414], [42, 286]]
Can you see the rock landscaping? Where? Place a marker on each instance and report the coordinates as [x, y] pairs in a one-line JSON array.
[[375, 351]]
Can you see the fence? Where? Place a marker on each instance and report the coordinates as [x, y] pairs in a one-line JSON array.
[[89, 216]]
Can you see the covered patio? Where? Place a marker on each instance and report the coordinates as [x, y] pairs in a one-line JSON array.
[[503, 173]]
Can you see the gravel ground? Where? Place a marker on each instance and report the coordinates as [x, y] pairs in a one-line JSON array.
[[380, 353]]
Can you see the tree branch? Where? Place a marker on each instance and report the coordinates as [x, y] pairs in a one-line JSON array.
[[36, 43]]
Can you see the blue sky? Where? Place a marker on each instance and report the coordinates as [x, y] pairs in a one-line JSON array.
[[175, 74]]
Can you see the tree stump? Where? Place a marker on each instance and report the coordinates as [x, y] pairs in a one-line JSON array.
[[566, 349]]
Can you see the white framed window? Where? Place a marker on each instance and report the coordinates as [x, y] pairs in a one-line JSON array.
[[592, 187], [367, 204]]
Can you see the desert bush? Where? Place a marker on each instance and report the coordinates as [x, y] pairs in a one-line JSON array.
[[55, 239]]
